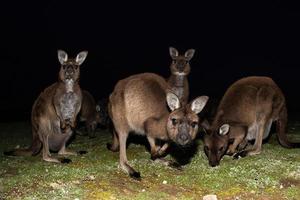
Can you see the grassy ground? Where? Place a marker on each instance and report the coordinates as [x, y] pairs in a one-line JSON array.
[[275, 174]]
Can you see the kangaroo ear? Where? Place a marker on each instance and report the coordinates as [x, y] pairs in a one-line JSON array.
[[198, 104], [173, 52], [81, 57], [98, 108], [173, 101], [62, 56], [224, 129], [189, 54]]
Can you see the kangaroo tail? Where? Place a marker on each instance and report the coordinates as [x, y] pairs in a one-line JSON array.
[[281, 131], [33, 150]]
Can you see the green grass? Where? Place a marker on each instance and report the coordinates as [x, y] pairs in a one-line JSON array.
[[274, 174]]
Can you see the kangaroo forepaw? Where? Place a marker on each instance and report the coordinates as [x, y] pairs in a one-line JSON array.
[[240, 154]]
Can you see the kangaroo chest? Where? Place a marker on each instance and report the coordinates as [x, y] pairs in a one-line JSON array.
[[178, 85], [68, 104], [179, 91]]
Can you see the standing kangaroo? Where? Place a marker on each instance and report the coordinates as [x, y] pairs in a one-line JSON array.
[[180, 68], [54, 112], [89, 113], [245, 113], [138, 104]]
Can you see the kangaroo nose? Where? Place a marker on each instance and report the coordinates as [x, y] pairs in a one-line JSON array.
[[180, 67], [213, 164], [183, 137]]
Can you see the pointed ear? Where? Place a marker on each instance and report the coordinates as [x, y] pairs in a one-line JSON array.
[[189, 54], [224, 129], [62, 56], [173, 52], [81, 57], [173, 101], [198, 104]]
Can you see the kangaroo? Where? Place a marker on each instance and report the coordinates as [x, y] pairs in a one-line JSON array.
[[89, 113], [54, 112], [180, 68], [138, 103], [105, 121], [246, 113]]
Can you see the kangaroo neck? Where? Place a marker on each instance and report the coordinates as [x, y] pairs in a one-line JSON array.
[[68, 85], [178, 80]]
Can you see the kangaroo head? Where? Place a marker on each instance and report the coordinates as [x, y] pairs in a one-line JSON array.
[[182, 124], [69, 70], [180, 63], [216, 144]]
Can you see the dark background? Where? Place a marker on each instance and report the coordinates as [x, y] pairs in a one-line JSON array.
[[232, 39]]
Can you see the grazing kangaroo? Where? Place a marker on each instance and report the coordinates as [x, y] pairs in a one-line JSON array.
[[245, 113], [89, 113], [180, 68], [138, 103], [54, 112]]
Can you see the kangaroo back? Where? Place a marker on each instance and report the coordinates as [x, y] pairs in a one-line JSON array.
[[253, 103], [138, 98]]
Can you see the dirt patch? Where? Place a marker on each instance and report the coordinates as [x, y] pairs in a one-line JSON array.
[[9, 172], [289, 182], [172, 190]]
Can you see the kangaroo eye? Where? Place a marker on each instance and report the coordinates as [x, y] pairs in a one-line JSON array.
[[174, 121], [194, 124]]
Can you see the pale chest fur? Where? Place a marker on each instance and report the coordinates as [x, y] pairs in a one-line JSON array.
[[179, 85], [179, 91], [69, 101]]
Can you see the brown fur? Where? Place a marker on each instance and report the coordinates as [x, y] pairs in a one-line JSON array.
[[245, 113], [138, 104], [54, 112], [180, 69], [89, 113]]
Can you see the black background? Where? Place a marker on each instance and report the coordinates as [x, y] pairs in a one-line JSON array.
[[232, 39]]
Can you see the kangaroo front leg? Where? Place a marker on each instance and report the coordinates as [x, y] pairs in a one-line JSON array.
[[154, 148], [233, 147], [123, 157], [158, 152]]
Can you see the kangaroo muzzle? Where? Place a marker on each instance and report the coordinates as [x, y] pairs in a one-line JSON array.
[[183, 136]]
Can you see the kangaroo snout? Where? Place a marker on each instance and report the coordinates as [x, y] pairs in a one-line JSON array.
[[213, 164], [69, 73], [180, 67], [183, 138]]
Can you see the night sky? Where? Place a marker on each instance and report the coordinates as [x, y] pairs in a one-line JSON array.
[[233, 39]]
